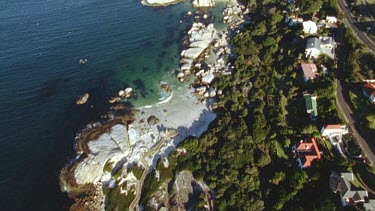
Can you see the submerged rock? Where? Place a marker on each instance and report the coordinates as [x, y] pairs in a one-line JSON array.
[[165, 87], [82, 61], [82, 99], [114, 99], [152, 120]]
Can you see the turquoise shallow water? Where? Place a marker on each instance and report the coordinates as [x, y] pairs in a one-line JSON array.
[[125, 43]]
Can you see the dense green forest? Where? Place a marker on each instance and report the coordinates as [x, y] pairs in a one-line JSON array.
[[245, 157]]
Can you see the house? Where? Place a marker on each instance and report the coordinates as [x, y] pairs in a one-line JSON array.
[[317, 46], [311, 105], [331, 22], [307, 151], [370, 205], [312, 48], [334, 130], [310, 71], [369, 91], [309, 27], [342, 183]]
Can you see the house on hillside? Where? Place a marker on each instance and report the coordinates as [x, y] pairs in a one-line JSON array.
[[309, 27], [317, 46], [311, 105], [334, 130], [307, 152], [342, 183], [369, 91], [370, 205], [310, 71]]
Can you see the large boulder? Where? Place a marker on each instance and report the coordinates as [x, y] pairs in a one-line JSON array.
[[82, 99]]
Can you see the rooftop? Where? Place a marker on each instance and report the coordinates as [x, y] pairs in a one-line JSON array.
[[309, 70], [369, 88], [343, 183], [307, 152], [311, 105]]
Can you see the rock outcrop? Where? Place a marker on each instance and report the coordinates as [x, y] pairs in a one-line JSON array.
[[82, 99]]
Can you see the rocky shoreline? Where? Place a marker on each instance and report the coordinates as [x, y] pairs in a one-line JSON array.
[[109, 153]]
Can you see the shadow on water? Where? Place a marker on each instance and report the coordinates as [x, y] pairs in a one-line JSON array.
[[51, 88], [140, 85]]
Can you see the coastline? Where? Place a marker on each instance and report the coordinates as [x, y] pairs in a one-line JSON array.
[[153, 131]]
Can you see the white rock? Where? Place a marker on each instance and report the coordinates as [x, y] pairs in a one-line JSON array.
[[128, 90], [121, 93], [159, 2], [212, 92], [203, 3], [207, 78], [185, 67], [201, 90], [180, 75], [109, 147]]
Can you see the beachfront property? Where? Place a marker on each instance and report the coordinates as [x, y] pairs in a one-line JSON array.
[[310, 71], [307, 152], [369, 91], [334, 130], [309, 27], [318, 46], [311, 105], [343, 183]]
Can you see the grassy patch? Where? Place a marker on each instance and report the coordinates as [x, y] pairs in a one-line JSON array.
[[358, 100], [108, 167], [137, 171], [118, 201], [280, 151]]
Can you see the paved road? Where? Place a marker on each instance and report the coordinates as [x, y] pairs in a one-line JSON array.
[[354, 125], [134, 204], [349, 21]]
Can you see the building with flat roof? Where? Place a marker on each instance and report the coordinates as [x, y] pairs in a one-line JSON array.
[[311, 105]]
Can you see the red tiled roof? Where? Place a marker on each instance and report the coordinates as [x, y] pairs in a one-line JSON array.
[[308, 151], [369, 88], [332, 127]]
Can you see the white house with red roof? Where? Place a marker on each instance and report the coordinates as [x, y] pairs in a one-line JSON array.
[[369, 91], [307, 151], [334, 130]]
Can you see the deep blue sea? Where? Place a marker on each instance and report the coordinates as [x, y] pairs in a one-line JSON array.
[[41, 43]]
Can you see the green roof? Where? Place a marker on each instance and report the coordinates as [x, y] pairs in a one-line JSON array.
[[311, 105]]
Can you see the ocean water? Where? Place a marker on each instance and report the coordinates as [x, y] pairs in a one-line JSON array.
[[41, 43], [125, 43]]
